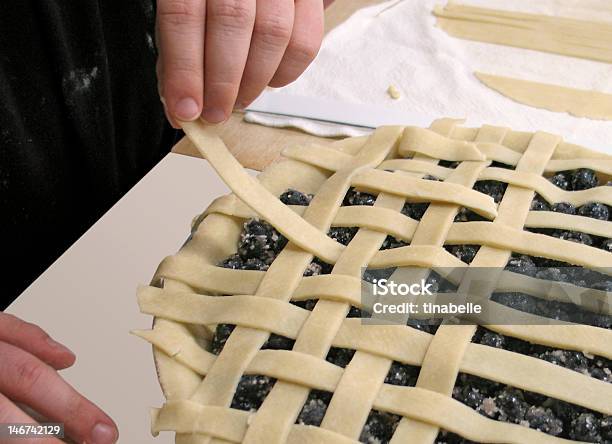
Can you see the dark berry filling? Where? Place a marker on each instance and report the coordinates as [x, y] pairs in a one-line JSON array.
[[251, 391], [342, 234], [539, 204], [595, 210], [391, 242], [563, 207], [466, 253], [575, 180], [294, 197], [379, 427], [314, 408], [508, 404], [550, 270], [497, 164], [493, 188], [260, 243], [583, 179], [595, 366], [402, 374], [449, 164], [575, 236], [520, 263], [258, 246], [445, 437], [317, 267], [340, 356], [467, 215], [354, 197], [561, 180], [415, 210]]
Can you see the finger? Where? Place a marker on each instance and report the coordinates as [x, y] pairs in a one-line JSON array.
[[35, 340], [24, 378], [229, 25], [181, 42], [11, 414], [304, 44], [271, 34]]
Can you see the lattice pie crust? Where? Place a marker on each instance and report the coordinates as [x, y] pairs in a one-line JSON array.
[[199, 385]]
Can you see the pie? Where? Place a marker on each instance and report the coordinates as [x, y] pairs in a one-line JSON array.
[[257, 334]]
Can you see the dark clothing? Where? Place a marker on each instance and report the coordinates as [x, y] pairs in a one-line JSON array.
[[80, 123]]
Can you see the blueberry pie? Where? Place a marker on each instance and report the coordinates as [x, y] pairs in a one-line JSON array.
[[259, 335]]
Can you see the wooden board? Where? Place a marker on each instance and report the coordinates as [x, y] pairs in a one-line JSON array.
[[256, 146]]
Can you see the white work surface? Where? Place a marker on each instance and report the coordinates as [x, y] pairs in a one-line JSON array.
[[87, 298], [397, 43]]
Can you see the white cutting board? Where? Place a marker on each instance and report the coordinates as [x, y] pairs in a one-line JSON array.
[[87, 299]]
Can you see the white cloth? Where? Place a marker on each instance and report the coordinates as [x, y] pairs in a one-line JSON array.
[[397, 43]]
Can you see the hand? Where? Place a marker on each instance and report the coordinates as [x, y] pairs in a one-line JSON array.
[[217, 55], [29, 360]]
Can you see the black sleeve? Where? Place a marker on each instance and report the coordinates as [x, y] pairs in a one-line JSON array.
[[80, 122]]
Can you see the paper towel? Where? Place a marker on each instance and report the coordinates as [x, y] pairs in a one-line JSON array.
[[397, 43]]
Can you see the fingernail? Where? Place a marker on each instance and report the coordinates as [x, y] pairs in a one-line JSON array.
[[103, 434], [213, 115], [186, 109], [59, 347]]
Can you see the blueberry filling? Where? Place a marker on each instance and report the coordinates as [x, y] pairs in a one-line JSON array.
[[595, 210], [402, 374], [379, 427], [354, 197], [522, 264], [317, 267], [391, 242], [595, 366], [467, 215], [489, 398], [251, 391], [497, 164], [546, 269], [561, 180], [575, 236], [539, 204], [583, 179], [294, 197], [575, 180], [563, 207], [592, 210], [445, 437], [342, 234], [465, 253], [508, 404], [415, 210], [449, 164], [258, 246], [314, 408], [260, 243], [340, 356], [493, 188]]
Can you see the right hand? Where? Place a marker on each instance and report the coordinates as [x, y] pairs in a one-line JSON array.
[[219, 55], [29, 360]]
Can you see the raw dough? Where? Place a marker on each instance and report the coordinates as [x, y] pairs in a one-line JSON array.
[[577, 102], [558, 35], [393, 92]]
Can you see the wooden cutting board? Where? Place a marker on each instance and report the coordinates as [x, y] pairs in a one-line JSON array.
[[256, 146]]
